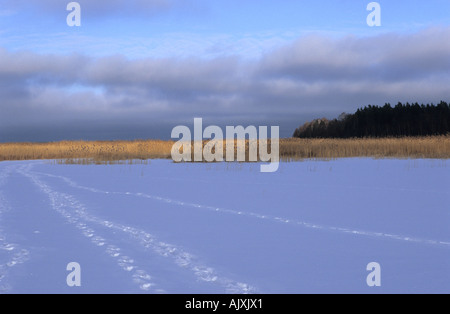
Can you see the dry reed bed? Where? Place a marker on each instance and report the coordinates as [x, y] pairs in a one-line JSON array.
[[98, 150], [290, 149], [408, 147]]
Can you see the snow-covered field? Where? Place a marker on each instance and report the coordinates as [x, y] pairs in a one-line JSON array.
[[312, 226]]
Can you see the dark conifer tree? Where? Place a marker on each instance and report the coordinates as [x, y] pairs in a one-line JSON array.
[[387, 121]]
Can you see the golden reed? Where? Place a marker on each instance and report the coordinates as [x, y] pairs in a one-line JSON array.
[[290, 149]]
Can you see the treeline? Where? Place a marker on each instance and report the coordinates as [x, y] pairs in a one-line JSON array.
[[387, 121]]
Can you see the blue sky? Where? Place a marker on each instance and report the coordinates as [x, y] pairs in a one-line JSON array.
[[142, 63], [201, 28]]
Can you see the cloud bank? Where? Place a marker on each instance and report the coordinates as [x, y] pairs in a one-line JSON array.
[[311, 77]]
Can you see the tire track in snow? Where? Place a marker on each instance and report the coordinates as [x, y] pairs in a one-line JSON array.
[[294, 222], [12, 254], [76, 213]]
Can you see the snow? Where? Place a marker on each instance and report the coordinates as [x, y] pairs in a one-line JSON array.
[[313, 226]]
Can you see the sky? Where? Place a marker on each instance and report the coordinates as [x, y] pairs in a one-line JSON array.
[[136, 69]]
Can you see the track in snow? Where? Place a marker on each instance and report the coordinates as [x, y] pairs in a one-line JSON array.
[[77, 214], [294, 222]]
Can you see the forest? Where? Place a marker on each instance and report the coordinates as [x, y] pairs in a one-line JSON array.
[[386, 121]]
